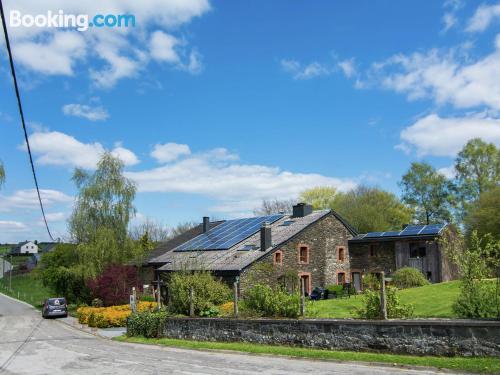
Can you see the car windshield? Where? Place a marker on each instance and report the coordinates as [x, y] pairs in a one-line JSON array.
[[57, 301]]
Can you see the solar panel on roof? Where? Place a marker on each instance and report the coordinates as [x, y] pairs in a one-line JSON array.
[[227, 234], [374, 234], [391, 234], [432, 229], [412, 230]]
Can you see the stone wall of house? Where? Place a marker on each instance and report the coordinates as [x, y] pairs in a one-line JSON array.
[[323, 238], [416, 337], [362, 261]]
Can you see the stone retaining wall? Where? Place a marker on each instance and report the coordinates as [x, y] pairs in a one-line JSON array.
[[418, 337]]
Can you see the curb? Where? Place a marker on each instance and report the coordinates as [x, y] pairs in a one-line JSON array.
[[17, 300]]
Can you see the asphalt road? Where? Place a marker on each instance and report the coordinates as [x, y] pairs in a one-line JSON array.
[[32, 345]]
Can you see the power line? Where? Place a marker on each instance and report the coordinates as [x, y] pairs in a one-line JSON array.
[[21, 113]]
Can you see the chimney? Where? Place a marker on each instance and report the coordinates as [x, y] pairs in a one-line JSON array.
[[302, 209], [265, 237], [206, 224]]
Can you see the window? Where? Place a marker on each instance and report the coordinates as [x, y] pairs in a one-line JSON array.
[[372, 250], [417, 250], [340, 278], [278, 258], [304, 255], [341, 254]]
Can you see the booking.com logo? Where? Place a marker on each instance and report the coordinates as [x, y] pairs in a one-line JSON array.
[[79, 22]]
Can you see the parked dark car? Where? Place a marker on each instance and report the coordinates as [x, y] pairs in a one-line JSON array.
[[317, 294], [54, 307]]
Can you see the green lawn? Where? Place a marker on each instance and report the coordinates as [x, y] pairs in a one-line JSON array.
[[4, 249], [431, 301], [470, 364], [29, 288]]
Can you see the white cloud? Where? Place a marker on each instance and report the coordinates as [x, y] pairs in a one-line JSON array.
[[53, 217], [28, 199], [483, 17], [55, 56], [216, 174], [110, 54], [300, 72], [444, 76], [168, 152], [162, 47], [433, 135], [449, 172], [56, 148], [85, 111], [125, 155], [449, 20], [348, 67], [12, 226]]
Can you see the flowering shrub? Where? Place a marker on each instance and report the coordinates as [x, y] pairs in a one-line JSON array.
[[226, 309], [112, 316]]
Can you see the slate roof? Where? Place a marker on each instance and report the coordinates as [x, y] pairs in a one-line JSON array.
[[238, 257], [177, 240]]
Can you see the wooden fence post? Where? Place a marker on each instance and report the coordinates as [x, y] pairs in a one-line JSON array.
[[302, 297], [383, 297], [235, 287], [191, 302]]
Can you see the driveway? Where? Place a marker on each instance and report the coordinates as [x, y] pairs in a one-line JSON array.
[[32, 345]]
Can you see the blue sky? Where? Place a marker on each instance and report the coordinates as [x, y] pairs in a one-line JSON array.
[[214, 106]]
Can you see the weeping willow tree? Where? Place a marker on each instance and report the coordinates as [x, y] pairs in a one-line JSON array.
[[100, 218]]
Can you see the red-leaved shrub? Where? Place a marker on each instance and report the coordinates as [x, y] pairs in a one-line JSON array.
[[115, 284]]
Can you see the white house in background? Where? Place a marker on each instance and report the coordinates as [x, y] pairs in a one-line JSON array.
[[26, 247]]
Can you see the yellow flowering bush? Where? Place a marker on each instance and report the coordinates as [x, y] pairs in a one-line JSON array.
[[112, 316], [227, 309]]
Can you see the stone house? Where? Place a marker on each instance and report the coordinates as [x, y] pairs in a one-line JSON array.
[[318, 247], [307, 245]]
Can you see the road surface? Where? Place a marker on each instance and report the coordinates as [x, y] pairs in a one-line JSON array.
[[32, 345]]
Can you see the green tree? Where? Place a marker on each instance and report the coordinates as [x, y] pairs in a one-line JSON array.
[[320, 197], [371, 209], [101, 216], [478, 169], [105, 200], [483, 215], [428, 192], [2, 174], [478, 297]]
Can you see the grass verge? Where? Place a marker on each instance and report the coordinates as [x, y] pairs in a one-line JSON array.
[[483, 365], [26, 288]]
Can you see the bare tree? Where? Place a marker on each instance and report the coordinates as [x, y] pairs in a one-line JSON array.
[[274, 206], [157, 232], [181, 228]]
